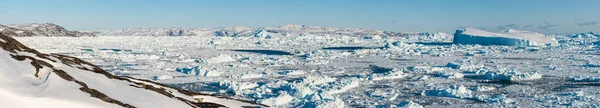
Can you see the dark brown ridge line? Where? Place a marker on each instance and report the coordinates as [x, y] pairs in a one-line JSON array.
[[93, 92]]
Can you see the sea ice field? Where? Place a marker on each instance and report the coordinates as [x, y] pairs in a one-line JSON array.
[[342, 71]]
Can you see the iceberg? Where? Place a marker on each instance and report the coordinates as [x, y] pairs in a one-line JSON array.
[[509, 37]]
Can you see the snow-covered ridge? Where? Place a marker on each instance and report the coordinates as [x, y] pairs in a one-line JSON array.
[[29, 78], [285, 30], [508, 37]]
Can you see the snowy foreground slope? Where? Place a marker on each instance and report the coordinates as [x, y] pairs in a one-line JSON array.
[[510, 37], [29, 78]]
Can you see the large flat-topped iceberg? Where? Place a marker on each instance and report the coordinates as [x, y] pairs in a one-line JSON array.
[[509, 37]]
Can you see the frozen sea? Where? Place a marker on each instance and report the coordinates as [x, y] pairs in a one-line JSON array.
[[342, 71]]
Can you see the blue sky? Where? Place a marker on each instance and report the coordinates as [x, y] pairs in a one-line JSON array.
[[547, 16]]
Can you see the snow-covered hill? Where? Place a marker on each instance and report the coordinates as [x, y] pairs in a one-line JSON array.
[[37, 29], [285, 30], [29, 78]]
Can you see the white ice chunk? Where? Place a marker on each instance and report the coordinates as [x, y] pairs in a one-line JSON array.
[[251, 75], [456, 75], [314, 80], [454, 91], [237, 86], [396, 74], [303, 91], [346, 85], [511, 75], [282, 99], [495, 99], [484, 88], [220, 59]]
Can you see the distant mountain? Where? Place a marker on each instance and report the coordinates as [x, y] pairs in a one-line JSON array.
[[39, 29], [30, 79], [285, 30]]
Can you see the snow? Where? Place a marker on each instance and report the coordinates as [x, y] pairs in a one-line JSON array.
[[316, 70], [456, 75], [509, 37], [20, 88], [502, 99], [455, 91], [345, 86], [18, 81], [220, 59], [461, 92], [389, 76], [282, 99], [484, 88], [251, 75]]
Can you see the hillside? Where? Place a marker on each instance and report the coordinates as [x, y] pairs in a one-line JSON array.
[[39, 29]]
